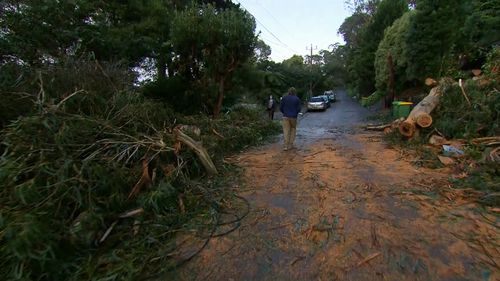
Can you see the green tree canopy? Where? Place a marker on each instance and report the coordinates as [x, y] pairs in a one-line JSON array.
[[394, 44], [211, 44], [434, 31]]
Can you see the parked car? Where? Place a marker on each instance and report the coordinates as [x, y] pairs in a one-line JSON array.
[[331, 96], [327, 100], [317, 103]]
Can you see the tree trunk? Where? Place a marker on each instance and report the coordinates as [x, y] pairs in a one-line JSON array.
[[220, 97], [161, 67], [391, 82], [420, 115]]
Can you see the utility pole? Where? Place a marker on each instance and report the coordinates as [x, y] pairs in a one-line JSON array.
[[310, 68]]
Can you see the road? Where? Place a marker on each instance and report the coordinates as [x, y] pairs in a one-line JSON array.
[[345, 206]]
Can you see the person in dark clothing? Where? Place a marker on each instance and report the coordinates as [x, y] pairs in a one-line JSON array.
[[271, 107], [290, 107]]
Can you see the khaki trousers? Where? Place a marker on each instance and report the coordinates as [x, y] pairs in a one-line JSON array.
[[289, 130]]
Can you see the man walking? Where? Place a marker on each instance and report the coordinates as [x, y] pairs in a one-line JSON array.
[[271, 107], [290, 107]]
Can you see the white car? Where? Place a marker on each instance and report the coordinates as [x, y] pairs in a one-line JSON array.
[[331, 96]]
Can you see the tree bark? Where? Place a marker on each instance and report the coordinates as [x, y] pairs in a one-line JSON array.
[[391, 82], [420, 115]]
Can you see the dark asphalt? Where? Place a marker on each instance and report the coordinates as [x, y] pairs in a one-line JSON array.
[[344, 116]]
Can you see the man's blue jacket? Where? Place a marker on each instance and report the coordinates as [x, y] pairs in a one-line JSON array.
[[290, 106]]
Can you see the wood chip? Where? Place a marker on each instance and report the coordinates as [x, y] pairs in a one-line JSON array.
[[446, 160], [438, 140], [369, 258]]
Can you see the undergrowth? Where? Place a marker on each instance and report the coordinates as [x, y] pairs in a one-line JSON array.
[[67, 171]]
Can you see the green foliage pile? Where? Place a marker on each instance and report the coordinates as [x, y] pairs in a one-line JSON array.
[[78, 134], [457, 120], [67, 170]]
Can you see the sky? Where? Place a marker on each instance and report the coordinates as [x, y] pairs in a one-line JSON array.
[[291, 26]]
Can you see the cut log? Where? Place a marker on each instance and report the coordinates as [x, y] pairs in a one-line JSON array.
[[200, 151], [420, 115], [431, 82]]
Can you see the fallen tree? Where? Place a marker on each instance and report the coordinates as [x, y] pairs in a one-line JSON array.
[[420, 115]]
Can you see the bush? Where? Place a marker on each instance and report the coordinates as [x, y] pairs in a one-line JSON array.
[[372, 99]]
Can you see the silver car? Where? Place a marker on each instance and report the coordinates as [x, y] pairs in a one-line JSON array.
[[316, 103]]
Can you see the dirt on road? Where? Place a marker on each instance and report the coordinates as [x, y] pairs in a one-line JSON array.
[[345, 206]]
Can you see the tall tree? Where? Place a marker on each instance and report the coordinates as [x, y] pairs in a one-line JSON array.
[[211, 44], [394, 46], [434, 31], [362, 69], [335, 66]]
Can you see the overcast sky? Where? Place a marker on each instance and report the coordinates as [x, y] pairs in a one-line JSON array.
[[291, 26]]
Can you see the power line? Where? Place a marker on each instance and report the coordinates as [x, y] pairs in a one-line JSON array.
[[272, 16], [270, 32]]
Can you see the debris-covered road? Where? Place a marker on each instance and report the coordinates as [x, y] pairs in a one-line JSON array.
[[344, 206]]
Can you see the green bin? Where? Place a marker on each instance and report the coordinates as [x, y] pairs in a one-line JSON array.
[[404, 109], [401, 109], [395, 109]]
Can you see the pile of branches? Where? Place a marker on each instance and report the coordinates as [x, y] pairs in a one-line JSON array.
[[478, 124], [96, 185], [468, 118]]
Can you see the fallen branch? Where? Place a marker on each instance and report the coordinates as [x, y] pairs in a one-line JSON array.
[[378, 127], [217, 134], [131, 213], [463, 92], [494, 155], [385, 127], [486, 140], [108, 232], [369, 258], [200, 151], [143, 181]]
